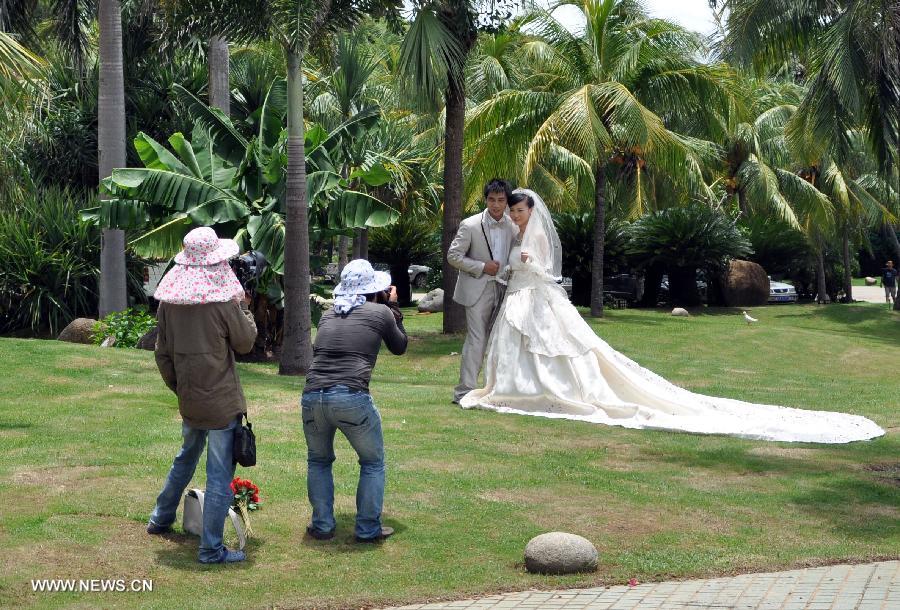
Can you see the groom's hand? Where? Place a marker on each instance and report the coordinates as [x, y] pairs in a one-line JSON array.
[[491, 267]]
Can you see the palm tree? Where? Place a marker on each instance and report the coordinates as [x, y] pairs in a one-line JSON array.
[[111, 144], [595, 105], [219, 63], [431, 69], [845, 49], [18, 65], [348, 90], [294, 25]]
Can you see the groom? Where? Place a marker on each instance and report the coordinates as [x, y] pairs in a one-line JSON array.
[[480, 250]]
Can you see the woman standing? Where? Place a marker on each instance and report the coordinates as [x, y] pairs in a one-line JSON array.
[[203, 319]]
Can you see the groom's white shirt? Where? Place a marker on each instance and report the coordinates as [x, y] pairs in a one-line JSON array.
[[470, 251]]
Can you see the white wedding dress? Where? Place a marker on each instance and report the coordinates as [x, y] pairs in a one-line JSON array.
[[543, 359]]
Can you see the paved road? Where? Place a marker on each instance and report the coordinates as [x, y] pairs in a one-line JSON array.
[[871, 294], [872, 586]]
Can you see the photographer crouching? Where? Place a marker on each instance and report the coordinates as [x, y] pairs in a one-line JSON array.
[[203, 319], [336, 396]]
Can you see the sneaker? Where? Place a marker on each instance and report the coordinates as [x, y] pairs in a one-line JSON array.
[[319, 535], [385, 533], [229, 557], [156, 530]]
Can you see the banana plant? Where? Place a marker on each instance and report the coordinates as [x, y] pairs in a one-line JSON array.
[[220, 179]]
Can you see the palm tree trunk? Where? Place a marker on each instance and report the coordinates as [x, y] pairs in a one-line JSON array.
[[357, 242], [599, 241], [219, 70], [111, 145], [364, 243], [343, 245], [455, 108], [845, 244], [821, 288], [296, 353]]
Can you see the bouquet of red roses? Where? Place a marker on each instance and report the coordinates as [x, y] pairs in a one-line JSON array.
[[246, 499]]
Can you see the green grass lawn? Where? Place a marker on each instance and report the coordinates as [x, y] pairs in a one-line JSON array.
[[88, 435]]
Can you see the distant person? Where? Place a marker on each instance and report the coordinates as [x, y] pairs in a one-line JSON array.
[[336, 396], [889, 281], [203, 319]]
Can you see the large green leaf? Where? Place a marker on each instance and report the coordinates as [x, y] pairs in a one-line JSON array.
[[186, 152], [377, 175], [203, 201], [271, 122], [229, 143], [267, 236], [358, 210], [155, 156], [165, 240]]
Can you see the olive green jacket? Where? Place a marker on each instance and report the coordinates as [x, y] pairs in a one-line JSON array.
[[195, 355]]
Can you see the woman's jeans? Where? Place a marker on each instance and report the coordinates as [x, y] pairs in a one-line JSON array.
[[353, 413], [219, 474]]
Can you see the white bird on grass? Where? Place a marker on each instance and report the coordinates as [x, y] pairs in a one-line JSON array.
[[749, 319]]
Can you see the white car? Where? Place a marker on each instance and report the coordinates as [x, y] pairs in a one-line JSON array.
[[779, 292]]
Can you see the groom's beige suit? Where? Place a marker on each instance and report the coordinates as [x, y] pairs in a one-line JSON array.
[[479, 240]]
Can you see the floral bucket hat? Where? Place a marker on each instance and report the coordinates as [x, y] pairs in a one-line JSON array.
[[357, 280], [201, 273]]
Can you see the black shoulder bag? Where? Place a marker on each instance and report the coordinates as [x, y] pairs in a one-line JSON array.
[[244, 450]]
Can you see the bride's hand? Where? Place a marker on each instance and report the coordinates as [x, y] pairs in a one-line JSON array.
[[524, 257]]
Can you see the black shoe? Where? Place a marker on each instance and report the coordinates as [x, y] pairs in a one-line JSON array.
[[385, 533], [156, 530], [319, 535]]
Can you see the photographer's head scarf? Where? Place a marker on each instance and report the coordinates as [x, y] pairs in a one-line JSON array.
[[357, 280], [201, 273]]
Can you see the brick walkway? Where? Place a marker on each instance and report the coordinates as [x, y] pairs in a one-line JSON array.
[[872, 586]]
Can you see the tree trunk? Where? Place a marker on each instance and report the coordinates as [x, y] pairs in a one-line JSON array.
[[296, 353], [111, 145], [455, 109], [821, 289], [343, 245], [400, 279], [848, 283], [357, 241], [364, 244], [599, 241], [219, 69]]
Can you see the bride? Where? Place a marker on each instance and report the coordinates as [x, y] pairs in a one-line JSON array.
[[543, 359]]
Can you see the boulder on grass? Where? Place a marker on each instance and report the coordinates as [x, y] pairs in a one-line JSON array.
[[746, 284], [681, 312], [871, 281], [560, 553], [148, 341], [79, 330], [433, 302]]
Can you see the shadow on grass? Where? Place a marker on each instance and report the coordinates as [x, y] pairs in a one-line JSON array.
[[860, 509], [863, 506], [184, 556], [870, 322], [344, 540]]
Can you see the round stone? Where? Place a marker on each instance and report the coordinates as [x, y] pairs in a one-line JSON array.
[[560, 553], [681, 312]]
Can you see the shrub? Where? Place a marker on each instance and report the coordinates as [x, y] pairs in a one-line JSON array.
[[127, 327], [681, 240], [576, 235], [51, 264]]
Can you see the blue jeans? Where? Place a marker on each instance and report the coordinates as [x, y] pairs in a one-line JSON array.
[[219, 473], [353, 413]]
